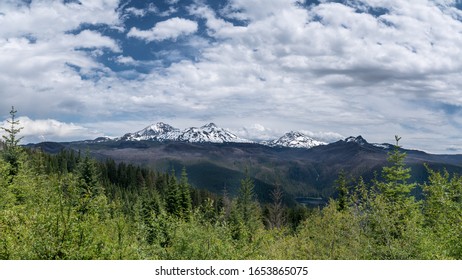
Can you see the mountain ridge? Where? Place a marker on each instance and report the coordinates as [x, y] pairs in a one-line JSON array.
[[302, 172], [211, 133]]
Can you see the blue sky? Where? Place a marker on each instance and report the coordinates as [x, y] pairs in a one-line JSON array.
[[82, 69]]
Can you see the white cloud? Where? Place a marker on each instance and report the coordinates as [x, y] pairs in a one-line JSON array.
[[35, 131], [258, 132], [126, 60], [46, 18], [169, 29], [136, 12], [323, 68]]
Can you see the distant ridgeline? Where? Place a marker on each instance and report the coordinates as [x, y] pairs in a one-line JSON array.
[[215, 163]]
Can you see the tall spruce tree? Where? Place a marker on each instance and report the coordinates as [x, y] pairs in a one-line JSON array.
[[12, 151], [395, 219], [173, 196], [396, 187], [246, 215], [185, 195]]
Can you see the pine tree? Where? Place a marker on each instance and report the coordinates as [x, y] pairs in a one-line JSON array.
[[395, 218], [88, 176], [185, 194], [173, 196], [11, 139], [396, 175], [12, 151], [246, 215], [343, 193]]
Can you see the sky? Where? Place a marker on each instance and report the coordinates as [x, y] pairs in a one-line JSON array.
[[80, 69]]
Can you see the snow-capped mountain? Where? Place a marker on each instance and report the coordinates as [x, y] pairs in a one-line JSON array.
[[210, 133], [162, 132], [294, 139], [157, 132]]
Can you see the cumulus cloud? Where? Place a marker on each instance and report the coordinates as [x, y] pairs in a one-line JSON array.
[[43, 54], [126, 60], [35, 131], [169, 29], [136, 12], [370, 67], [46, 18], [257, 132]]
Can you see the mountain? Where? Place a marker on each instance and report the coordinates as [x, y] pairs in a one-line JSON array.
[[209, 133], [304, 174], [294, 139], [358, 140], [162, 132], [157, 132]]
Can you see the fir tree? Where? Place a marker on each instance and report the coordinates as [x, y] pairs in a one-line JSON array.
[[396, 175], [11, 139], [173, 196], [246, 215], [185, 195], [343, 193], [12, 151]]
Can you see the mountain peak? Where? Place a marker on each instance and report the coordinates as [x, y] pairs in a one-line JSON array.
[[358, 140], [155, 132], [160, 126], [295, 139], [164, 132], [210, 125], [210, 133]]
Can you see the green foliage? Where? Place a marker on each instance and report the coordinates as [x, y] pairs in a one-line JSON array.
[[12, 139], [331, 234], [443, 213], [69, 206], [343, 192], [245, 217]]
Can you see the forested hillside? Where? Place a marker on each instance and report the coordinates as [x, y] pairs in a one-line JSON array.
[[69, 206]]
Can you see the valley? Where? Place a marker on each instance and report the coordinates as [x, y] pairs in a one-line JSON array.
[[221, 165]]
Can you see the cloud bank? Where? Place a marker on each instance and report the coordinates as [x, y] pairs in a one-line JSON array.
[[370, 67]]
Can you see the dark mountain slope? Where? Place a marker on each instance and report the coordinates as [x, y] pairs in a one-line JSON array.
[[301, 172]]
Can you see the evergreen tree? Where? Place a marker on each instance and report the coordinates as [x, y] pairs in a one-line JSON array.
[[88, 176], [342, 189], [173, 197], [185, 195], [246, 213], [12, 151], [395, 220], [12, 139], [396, 175]]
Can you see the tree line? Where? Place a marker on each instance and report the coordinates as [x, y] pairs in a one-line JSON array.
[[70, 206]]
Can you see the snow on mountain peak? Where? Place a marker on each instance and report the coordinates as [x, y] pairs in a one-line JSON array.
[[210, 133], [164, 132], [295, 139], [155, 132], [210, 125]]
